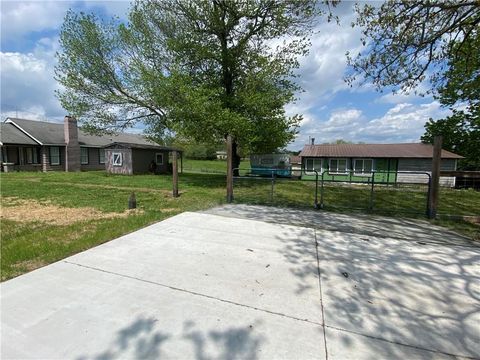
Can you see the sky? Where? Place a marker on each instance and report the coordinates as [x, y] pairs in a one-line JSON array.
[[331, 109]]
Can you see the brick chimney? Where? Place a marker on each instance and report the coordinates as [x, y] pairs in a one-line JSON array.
[[72, 149]]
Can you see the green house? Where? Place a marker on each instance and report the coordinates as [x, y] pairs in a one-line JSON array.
[[382, 163]]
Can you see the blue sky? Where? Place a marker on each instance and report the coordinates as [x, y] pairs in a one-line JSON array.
[[331, 109]]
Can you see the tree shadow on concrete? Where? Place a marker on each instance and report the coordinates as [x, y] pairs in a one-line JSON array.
[[419, 295], [368, 225], [144, 339], [233, 343], [386, 284]]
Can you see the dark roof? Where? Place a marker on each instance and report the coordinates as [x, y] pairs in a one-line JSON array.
[[414, 150], [43, 132], [104, 140], [48, 133], [140, 146], [9, 134]]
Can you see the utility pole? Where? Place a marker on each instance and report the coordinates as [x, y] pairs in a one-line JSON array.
[[175, 173]]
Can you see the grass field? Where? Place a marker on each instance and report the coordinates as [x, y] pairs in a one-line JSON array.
[[213, 166], [49, 216]]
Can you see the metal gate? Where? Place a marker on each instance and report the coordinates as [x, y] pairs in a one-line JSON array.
[[370, 194]]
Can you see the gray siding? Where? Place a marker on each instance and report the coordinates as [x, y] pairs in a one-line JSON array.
[[125, 168], [424, 165], [143, 157], [93, 160], [46, 155], [17, 155]]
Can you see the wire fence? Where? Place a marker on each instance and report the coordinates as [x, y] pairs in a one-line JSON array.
[[377, 192]]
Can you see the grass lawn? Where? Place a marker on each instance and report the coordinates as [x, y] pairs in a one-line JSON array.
[[47, 217], [210, 166]]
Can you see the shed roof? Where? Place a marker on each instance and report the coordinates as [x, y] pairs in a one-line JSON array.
[[48, 133], [413, 150], [141, 146], [9, 134]]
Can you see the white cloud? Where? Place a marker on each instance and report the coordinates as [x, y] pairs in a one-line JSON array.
[[28, 84], [402, 123], [344, 117], [329, 130], [19, 18], [323, 70]]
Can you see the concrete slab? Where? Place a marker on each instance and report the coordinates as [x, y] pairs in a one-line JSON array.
[[396, 228], [242, 282], [262, 265], [65, 311], [422, 295], [343, 345]]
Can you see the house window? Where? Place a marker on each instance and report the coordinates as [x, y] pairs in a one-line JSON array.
[[101, 156], [54, 155], [31, 155], [84, 156], [159, 158], [363, 166], [338, 166], [117, 159], [313, 164]]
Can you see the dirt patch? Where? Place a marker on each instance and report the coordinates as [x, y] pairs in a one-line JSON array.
[[29, 265], [169, 209], [112, 187], [32, 211]]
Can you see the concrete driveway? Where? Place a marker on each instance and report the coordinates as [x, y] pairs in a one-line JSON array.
[[248, 282]]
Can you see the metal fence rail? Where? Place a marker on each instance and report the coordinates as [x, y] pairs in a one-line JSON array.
[[374, 193]]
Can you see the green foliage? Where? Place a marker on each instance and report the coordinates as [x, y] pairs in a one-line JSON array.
[[461, 89], [406, 41], [462, 80], [200, 151], [202, 69], [341, 141], [461, 135]]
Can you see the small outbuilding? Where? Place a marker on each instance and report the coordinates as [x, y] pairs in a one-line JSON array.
[[129, 159]]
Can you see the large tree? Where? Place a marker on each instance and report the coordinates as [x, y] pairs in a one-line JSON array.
[[203, 69], [433, 43], [461, 134], [409, 41], [461, 130]]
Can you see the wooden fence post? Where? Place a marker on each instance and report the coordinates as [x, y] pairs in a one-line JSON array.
[[435, 181], [175, 173], [229, 169]]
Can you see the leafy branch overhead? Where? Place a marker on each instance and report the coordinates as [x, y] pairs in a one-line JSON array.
[[406, 42], [203, 69], [435, 44], [461, 130]]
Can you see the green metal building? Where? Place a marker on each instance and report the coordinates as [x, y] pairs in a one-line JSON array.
[[384, 163]]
